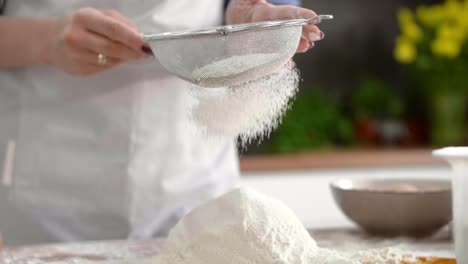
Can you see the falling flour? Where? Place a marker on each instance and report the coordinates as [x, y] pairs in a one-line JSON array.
[[246, 227], [247, 111]]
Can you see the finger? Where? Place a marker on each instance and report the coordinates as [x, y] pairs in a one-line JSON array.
[[90, 58], [115, 14], [311, 29], [83, 68], [312, 33], [304, 45], [94, 21], [92, 69], [99, 44]]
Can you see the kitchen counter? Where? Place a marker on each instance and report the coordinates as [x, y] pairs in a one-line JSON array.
[[116, 251], [304, 188], [440, 244], [337, 159], [308, 194], [107, 252]]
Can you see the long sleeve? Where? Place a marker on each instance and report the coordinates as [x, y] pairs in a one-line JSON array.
[[277, 2], [286, 2]]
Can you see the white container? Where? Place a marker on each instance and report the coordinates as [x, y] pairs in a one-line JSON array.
[[458, 158]]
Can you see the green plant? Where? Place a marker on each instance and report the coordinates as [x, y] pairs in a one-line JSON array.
[[313, 122], [375, 100]]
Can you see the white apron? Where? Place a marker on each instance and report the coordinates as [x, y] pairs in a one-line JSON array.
[[109, 156]]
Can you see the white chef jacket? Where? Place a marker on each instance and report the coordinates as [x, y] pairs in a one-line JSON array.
[[108, 156]]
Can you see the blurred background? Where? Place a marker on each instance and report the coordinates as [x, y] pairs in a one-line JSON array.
[[387, 85], [388, 75]]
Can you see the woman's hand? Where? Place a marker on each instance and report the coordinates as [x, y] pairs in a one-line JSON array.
[[77, 40], [246, 11]]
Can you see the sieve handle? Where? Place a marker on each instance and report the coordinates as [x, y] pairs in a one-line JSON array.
[[225, 30], [319, 18]]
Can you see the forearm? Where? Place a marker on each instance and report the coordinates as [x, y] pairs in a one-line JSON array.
[[23, 41], [286, 2]]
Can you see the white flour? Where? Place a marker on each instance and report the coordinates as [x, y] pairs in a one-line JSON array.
[[248, 111], [382, 256], [233, 65], [246, 227], [241, 227]]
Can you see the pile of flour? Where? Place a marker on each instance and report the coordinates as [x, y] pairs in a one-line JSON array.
[[246, 227], [247, 111], [241, 227]]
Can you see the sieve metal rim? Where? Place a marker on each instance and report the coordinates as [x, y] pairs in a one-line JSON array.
[[226, 30]]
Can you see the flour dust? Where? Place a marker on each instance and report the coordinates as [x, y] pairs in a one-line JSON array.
[[248, 111], [247, 227], [241, 227]]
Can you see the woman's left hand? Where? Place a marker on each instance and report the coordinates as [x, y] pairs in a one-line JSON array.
[[246, 11]]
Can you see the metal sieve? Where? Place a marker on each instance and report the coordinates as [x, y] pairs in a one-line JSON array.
[[229, 55]]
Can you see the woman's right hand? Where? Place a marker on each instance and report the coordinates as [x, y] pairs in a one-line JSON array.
[[77, 40]]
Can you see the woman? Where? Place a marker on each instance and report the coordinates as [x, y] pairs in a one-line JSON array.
[[95, 137]]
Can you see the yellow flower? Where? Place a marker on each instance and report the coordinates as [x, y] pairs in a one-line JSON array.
[[405, 52], [405, 16], [465, 5], [452, 8], [412, 31], [462, 17], [408, 26], [452, 31], [430, 16], [445, 47]]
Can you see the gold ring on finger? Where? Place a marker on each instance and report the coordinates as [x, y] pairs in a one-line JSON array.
[[102, 59]]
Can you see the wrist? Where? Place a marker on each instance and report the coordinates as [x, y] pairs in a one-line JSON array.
[[42, 52]]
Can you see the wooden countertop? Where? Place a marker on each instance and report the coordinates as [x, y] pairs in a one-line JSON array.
[[120, 251], [340, 159]]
